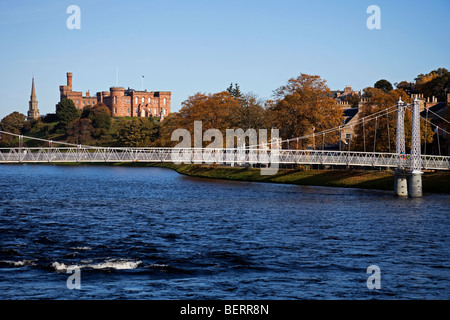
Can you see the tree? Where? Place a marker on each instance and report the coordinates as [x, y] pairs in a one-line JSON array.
[[379, 134], [49, 118], [80, 131], [13, 123], [304, 106], [384, 85], [66, 113], [138, 132], [235, 91], [99, 114], [252, 114], [353, 100], [408, 87], [436, 83], [216, 111], [169, 125]]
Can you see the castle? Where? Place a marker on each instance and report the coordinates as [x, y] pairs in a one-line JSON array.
[[122, 102]]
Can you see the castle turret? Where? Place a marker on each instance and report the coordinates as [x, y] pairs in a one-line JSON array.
[[69, 80]]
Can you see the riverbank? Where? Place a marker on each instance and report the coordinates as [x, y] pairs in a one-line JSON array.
[[433, 182]]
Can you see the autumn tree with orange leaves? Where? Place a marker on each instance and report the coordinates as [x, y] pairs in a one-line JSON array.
[[379, 134], [219, 111], [303, 107]]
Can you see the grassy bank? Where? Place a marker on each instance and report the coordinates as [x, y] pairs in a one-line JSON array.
[[433, 182]]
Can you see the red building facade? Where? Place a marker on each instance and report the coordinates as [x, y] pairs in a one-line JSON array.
[[122, 102]]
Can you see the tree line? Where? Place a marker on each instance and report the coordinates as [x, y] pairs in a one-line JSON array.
[[301, 107]]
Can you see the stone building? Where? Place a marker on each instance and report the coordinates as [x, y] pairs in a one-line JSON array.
[[122, 102]]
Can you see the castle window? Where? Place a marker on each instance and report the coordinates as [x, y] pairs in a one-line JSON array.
[[128, 110], [165, 111], [137, 111], [115, 110], [149, 100], [154, 111], [165, 101], [143, 100], [78, 101], [137, 100], [115, 99]]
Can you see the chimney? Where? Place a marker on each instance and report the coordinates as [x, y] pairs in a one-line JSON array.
[[69, 79], [88, 95], [448, 98]]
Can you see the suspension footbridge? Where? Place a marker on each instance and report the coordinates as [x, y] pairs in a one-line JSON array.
[[408, 167]]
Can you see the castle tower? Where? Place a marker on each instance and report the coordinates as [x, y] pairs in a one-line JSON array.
[[69, 80], [66, 91], [33, 111]]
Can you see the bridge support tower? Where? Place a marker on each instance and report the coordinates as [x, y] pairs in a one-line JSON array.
[[401, 175], [408, 178], [415, 178]]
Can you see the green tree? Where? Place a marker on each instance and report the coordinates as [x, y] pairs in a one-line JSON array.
[[137, 132], [384, 85], [80, 131], [436, 83], [13, 123], [66, 113], [99, 114], [408, 87], [235, 91]]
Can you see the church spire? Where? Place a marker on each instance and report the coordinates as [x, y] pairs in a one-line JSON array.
[[33, 111], [33, 91]]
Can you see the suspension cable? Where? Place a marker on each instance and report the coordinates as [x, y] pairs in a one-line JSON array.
[[439, 144], [364, 136], [375, 136], [425, 142], [323, 141], [368, 118], [389, 133]]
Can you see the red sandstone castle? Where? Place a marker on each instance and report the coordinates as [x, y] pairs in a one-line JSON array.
[[121, 102]]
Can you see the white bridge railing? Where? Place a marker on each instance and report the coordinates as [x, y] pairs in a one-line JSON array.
[[207, 155]]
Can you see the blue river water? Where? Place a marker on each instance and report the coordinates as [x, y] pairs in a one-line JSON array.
[[150, 233]]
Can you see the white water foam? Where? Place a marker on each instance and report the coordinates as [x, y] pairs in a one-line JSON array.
[[20, 263], [109, 264], [81, 248]]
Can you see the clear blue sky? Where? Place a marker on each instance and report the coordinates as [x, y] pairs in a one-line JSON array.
[[203, 45]]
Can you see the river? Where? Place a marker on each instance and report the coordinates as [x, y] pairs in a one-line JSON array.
[[151, 233]]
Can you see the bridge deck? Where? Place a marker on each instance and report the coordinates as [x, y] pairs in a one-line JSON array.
[[206, 155]]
